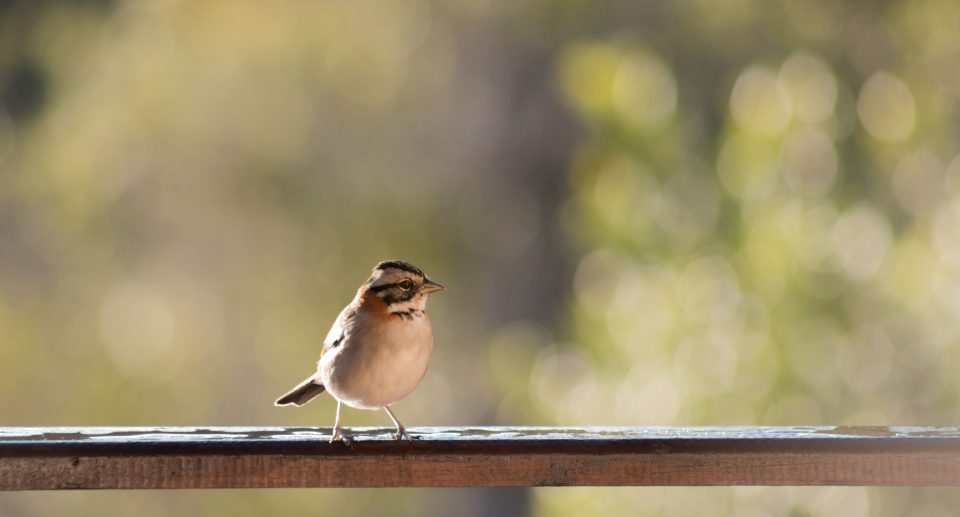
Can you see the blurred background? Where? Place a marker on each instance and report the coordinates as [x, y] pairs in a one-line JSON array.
[[646, 213]]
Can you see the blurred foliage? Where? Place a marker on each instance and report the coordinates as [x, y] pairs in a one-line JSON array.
[[660, 213], [772, 242]]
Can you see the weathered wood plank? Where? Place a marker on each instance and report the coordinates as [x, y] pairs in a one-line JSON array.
[[235, 457]]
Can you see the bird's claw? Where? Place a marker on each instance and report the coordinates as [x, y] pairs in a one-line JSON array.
[[338, 436]]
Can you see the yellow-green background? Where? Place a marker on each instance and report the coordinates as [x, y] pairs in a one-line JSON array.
[[647, 213]]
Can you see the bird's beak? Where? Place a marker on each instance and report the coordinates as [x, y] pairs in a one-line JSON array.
[[429, 286]]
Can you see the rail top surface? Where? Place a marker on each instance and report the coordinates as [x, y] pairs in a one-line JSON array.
[[268, 457]]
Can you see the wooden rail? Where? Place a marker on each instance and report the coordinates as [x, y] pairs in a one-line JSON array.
[[33, 458]]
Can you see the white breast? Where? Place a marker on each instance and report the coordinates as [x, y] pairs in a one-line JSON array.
[[379, 363]]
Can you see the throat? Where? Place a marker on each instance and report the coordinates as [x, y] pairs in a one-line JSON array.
[[409, 314], [408, 310]]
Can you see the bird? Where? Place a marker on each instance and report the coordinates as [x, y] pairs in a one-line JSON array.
[[379, 347]]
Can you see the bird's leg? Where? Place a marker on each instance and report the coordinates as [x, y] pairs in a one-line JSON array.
[[401, 431], [338, 429]]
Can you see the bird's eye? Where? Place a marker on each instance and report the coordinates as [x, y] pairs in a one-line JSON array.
[[405, 285]]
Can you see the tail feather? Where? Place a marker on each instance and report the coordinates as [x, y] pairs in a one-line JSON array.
[[303, 393]]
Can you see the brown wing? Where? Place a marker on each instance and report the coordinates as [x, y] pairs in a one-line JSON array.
[[340, 328]]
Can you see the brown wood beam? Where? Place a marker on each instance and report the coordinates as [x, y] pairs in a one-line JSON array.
[[36, 458]]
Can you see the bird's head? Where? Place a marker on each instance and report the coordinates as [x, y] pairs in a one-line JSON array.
[[400, 284]]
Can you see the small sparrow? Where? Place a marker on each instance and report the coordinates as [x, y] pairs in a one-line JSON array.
[[378, 349]]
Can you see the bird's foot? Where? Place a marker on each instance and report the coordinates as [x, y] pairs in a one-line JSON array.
[[401, 434], [338, 436]]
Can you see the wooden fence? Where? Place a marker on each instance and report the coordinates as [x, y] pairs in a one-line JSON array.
[[51, 458]]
